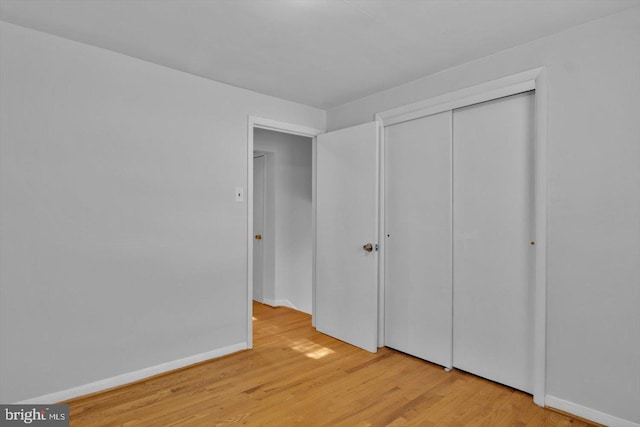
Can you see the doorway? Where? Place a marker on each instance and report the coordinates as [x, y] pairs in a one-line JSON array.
[[259, 123], [282, 219]]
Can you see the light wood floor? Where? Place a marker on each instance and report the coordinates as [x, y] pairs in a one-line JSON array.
[[296, 376]]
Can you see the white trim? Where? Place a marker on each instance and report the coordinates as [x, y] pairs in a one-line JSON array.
[[535, 79], [262, 123], [541, 213], [379, 229], [588, 413], [381, 236], [281, 303], [314, 174], [249, 236], [274, 125], [510, 85], [119, 380], [449, 365], [266, 239]]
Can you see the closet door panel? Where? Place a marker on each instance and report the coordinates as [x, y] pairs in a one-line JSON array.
[[417, 241], [493, 254]]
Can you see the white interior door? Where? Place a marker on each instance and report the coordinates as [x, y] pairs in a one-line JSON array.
[[493, 255], [258, 227], [418, 286], [347, 220]]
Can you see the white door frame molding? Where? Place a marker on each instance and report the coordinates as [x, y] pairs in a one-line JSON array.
[[254, 122], [262, 183], [535, 79]]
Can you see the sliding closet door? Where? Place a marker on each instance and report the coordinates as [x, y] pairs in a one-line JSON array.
[[493, 253], [418, 237]]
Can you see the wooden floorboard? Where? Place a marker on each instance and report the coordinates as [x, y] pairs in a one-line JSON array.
[[295, 376]]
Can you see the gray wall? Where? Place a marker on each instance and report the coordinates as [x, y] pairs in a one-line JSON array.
[[288, 220], [122, 245], [594, 199]]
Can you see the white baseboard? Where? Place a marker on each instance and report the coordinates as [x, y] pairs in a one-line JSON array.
[[130, 377], [280, 303], [588, 413]]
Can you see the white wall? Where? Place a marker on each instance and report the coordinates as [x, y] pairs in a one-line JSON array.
[[122, 246], [593, 338], [288, 218]]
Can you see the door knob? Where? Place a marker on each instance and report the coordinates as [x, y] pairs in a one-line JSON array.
[[368, 247], [258, 236]]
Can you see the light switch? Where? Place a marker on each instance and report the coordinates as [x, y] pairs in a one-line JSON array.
[[239, 194]]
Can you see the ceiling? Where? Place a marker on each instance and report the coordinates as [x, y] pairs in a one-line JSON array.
[[321, 53]]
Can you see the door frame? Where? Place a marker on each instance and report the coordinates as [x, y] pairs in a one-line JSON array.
[[264, 210], [254, 122], [535, 79]]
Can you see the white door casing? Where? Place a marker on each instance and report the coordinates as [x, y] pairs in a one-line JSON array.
[[346, 220], [259, 172]]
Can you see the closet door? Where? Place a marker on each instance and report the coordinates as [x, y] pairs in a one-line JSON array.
[[418, 238], [492, 249]]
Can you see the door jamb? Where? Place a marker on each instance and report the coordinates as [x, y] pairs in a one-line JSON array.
[[254, 122], [264, 216], [535, 79], [381, 229]]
